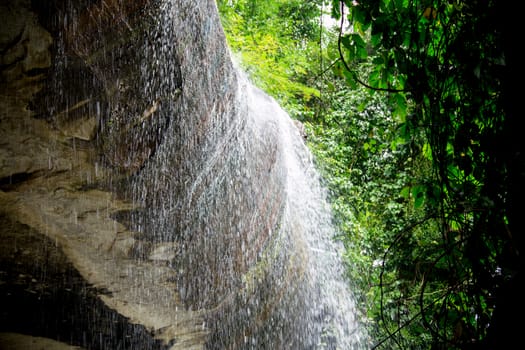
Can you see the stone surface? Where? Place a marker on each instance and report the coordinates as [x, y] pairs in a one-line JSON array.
[[143, 185], [58, 232], [14, 341], [23, 42], [179, 268]]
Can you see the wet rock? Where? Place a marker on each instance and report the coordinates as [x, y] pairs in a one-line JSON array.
[[23, 42], [66, 266], [14, 19], [22, 341], [80, 128]]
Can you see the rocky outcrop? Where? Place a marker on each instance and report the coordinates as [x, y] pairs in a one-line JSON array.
[[151, 198], [67, 265]]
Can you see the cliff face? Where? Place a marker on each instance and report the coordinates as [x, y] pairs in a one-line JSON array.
[[151, 198], [68, 266], [133, 202]]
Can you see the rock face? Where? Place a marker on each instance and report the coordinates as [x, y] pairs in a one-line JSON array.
[[74, 131], [144, 198]]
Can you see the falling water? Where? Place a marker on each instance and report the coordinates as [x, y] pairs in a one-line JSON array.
[[231, 186], [329, 320], [235, 190], [223, 191]]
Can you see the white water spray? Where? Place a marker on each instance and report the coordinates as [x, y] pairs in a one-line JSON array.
[[307, 218]]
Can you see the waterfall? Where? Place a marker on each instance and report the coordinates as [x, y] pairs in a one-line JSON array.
[[328, 320], [222, 235], [246, 210]]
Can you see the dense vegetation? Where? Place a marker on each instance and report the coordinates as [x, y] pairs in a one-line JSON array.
[[408, 107]]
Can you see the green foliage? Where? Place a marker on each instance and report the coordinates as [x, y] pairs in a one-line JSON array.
[[446, 60], [404, 113], [275, 41], [363, 153], [376, 196]]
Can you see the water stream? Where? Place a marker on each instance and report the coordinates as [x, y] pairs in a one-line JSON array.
[[327, 309], [236, 190]]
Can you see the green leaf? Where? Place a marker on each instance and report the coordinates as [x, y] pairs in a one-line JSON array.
[[427, 151], [336, 9], [400, 106], [418, 193], [351, 78], [405, 192], [418, 201]]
